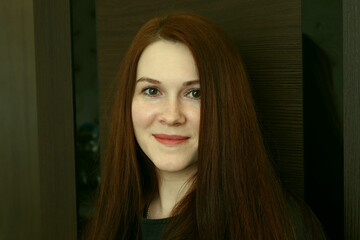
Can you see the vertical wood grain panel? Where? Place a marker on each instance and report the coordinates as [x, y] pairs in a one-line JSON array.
[[268, 36], [351, 65], [19, 173], [55, 118]]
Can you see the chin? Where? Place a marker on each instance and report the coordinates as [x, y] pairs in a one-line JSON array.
[[174, 166]]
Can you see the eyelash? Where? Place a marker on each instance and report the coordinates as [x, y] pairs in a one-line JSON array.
[[144, 91]]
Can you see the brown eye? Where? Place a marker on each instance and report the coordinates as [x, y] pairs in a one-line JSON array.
[[195, 93], [152, 92]]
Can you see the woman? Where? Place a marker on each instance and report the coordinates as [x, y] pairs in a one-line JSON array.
[[185, 164]]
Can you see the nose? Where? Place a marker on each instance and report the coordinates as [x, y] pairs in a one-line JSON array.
[[172, 113]]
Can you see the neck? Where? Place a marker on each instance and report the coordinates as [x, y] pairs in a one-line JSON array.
[[172, 189]]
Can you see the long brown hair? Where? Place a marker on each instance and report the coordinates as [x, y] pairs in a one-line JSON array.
[[235, 193]]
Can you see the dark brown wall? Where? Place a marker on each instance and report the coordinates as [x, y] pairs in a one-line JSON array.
[[268, 35]]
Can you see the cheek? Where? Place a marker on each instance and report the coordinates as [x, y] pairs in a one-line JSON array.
[[142, 115], [194, 118]]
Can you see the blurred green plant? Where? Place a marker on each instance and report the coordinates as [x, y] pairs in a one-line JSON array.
[[87, 170]]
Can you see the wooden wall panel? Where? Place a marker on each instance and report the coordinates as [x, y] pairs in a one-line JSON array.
[[267, 34], [55, 119], [37, 176], [19, 166], [351, 66]]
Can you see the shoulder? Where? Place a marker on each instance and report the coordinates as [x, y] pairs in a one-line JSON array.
[[306, 224]]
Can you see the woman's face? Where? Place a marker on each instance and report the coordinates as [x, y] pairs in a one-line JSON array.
[[166, 106]]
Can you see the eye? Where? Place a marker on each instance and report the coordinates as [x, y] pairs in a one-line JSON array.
[[194, 93], [151, 92]]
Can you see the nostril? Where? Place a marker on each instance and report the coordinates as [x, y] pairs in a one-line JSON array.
[[172, 118]]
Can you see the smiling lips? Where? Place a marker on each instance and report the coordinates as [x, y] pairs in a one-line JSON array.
[[170, 140]]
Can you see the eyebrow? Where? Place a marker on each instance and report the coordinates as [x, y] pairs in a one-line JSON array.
[[153, 81]]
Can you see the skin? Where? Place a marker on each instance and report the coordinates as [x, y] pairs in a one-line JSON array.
[[167, 101]]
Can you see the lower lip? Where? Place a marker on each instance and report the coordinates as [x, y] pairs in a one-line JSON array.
[[170, 142]]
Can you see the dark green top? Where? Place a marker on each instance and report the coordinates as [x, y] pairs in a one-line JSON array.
[[151, 228]]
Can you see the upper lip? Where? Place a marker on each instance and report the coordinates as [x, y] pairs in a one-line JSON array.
[[170, 137]]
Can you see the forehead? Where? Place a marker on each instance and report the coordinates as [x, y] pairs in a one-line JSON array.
[[167, 60]]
